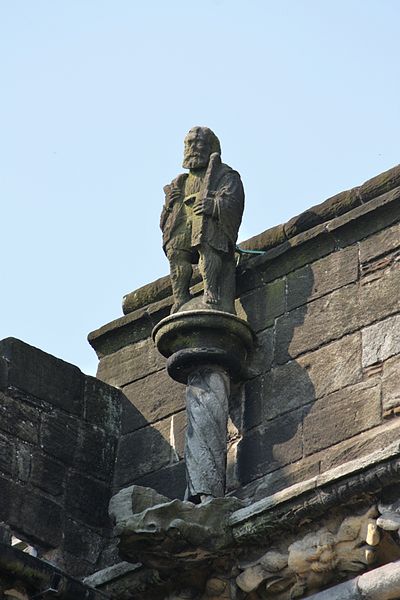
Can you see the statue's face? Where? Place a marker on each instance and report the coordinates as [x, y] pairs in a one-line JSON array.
[[197, 150]]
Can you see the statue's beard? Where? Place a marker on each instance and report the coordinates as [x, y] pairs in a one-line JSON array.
[[195, 161]]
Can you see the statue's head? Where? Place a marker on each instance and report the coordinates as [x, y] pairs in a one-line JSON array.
[[200, 143]]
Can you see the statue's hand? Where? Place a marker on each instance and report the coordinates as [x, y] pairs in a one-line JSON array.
[[174, 195], [205, 206]]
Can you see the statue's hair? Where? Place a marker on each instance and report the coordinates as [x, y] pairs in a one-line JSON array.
[[215, 145]]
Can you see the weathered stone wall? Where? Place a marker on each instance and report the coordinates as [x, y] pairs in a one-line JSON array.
[[58, 434], [322, 384], [327, 382], [150, 451]]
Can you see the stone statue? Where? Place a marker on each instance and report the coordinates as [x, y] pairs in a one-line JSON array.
[[200, 222]]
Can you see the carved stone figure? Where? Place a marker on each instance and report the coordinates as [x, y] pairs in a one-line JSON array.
[[389, 518], [316, 559], [200, 222], [199, 551]]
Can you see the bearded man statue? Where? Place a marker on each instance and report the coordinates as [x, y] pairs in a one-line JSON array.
[[200, 222]]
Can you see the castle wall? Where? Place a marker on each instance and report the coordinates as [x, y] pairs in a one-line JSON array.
[[58, 435], [326, 390], [322, 381], [150, 451]]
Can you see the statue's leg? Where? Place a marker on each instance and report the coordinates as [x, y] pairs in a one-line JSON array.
[[181, 273], [210, 266]]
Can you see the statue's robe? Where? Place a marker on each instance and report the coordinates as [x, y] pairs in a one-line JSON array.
[[183, 230]]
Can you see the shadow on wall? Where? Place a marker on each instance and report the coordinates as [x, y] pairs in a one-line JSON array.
[[266, 413], [269, 409], [150, 451]]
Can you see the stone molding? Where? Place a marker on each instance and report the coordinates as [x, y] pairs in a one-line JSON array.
[[380, 584], [318, 493], [23, 573]]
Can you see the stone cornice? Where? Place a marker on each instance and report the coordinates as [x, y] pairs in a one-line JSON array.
[[146, 528], [311, 498], [19, 568]]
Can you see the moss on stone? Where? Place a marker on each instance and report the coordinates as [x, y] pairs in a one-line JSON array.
[[382, 183], [267, 239]]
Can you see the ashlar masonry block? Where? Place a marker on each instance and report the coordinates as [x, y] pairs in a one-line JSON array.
[[380, 341]]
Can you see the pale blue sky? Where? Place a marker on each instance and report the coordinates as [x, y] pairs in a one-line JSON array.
[[97, 96]]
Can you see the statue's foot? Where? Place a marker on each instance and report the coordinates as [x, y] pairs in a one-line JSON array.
[[205, 498], [179, 303], [211, 298], [199, 498]]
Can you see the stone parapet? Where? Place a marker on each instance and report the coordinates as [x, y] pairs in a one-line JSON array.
[[58, 437]]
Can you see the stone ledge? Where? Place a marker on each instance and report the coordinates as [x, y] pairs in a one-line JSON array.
[[382, 583], [365, 443], [110, 574], [329, 227], [126, 580], [317, 494], [128, 329], [41, 576]]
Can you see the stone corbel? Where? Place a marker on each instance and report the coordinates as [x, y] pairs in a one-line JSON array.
[[163, 531]]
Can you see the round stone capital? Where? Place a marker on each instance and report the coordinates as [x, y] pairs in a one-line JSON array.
[[196, 338]]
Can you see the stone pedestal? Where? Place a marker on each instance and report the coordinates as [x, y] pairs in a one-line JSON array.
[[198, 338], [206, 350]]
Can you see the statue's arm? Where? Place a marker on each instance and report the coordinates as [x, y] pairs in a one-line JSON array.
[[166, 209], [173, 194], [228, 196], [228, 203]]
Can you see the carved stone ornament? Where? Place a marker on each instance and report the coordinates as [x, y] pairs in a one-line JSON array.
[[197, 556], [168, 532], [321, 557]]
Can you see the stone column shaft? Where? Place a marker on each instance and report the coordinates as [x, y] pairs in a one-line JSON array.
[[206, 350], [207, 396]]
